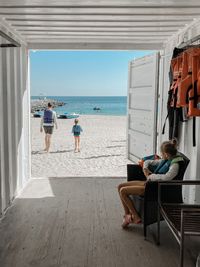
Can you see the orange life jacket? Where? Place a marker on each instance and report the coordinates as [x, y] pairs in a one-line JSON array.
[[194, 93], [177, 67], [184, 89], [188, 92], [186, 80]]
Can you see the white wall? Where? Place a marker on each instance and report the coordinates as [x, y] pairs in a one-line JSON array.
[[142, 106], [185, 145], [14, 123]]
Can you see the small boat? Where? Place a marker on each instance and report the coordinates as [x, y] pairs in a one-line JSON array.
[[37, 114], [62, 116], [72, 116], [96, 108], [68, 116]]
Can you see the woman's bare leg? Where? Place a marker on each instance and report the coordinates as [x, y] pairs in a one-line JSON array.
[[46, 142], [131, 183], [126, 209], [124, 195]]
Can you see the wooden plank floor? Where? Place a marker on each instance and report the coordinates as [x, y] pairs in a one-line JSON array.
[[76, 222]]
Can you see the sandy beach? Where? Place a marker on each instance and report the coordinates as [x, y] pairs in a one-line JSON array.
[[103, 148]]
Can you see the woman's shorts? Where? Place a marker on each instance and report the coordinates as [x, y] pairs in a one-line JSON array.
[[48, 129]]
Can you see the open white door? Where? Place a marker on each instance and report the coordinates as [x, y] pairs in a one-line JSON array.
[[142, 106]]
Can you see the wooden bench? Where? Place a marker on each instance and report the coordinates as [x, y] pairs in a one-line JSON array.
[[182, 219]]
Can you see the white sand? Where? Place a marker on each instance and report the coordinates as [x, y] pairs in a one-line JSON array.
[[103, 148]]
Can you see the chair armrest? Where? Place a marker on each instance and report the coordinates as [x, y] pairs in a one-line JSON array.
[[135, 173], [184, 206], [179, 182]]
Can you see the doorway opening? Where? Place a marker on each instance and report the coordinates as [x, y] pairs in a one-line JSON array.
[[93, 86]]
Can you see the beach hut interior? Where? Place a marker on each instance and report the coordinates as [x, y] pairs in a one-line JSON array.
[[76, 222]]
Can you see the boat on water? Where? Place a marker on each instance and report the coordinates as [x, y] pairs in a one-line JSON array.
[[68, 116], [96, 108], [37, 114]]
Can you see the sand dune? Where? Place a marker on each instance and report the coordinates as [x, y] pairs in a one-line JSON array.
[[103, 148]]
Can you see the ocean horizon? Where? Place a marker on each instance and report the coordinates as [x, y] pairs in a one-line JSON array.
[[108, 105]]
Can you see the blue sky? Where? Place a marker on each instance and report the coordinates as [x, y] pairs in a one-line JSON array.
[[81, 73]]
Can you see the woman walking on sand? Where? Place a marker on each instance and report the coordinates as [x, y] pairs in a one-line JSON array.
[[76, 130], [47, 122]]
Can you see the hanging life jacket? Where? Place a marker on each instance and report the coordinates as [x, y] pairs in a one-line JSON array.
[[174, 111], [184, 91], [48, 117], [186, 80], [176, 66], [189, 87], [194, 93]]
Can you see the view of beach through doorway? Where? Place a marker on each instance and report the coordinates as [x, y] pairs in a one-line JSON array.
[[92, 84]]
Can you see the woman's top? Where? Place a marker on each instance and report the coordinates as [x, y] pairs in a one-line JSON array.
[[49, 118], [76, 130], [168, 168]]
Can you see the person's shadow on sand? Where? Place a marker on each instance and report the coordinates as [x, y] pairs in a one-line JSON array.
[[52, 152], [61, 151]]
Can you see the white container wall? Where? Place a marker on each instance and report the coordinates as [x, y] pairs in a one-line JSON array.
[[14, 123], [185, 145], [142, 106]]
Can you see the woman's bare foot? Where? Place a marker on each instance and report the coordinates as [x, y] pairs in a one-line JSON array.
[[136, 219], [126, 221]]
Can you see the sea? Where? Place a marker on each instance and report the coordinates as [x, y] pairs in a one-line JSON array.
[[107, 105]]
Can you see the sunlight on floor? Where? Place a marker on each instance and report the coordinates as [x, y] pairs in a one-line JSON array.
[[45, 189]]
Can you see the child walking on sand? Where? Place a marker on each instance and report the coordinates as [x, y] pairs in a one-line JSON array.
[[76, 130]]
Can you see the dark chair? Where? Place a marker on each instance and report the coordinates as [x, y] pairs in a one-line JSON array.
[[147, 205]]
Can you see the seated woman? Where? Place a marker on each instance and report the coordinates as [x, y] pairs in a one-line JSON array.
[[160, 169]]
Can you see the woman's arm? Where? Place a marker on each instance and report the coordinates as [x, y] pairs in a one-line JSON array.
[[55, 119], [149, 162], [41, 123], [171, 174]]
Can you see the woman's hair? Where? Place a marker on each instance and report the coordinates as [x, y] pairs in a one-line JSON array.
[[174, 141], [163, 145], [170, 149]]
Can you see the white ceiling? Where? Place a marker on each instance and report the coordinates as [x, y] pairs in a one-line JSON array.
[[117, 24]]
